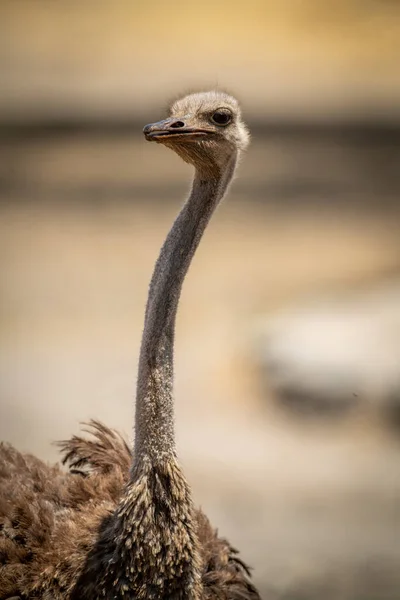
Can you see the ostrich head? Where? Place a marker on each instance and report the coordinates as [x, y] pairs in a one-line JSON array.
[[205, 129]]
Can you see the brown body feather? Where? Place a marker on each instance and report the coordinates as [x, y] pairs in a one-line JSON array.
[[52, 524]]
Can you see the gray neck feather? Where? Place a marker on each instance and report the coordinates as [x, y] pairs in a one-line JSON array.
[[154, 429]]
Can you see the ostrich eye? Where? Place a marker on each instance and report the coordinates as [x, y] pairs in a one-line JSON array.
[[221, 117]]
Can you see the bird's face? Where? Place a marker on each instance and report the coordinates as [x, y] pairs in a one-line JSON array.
[[205, 129]]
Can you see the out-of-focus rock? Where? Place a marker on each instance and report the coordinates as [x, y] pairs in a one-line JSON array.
[[334, 353]]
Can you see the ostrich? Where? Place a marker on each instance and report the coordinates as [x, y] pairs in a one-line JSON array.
[[114, 526]]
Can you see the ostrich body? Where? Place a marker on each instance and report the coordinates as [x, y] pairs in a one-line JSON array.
[[116, 526]]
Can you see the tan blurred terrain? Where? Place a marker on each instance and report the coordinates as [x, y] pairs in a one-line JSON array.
[[290, 58]]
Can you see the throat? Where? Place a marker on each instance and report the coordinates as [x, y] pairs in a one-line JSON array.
[[154, 429]]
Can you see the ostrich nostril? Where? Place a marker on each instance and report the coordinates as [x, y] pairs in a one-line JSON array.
[[177, 124]]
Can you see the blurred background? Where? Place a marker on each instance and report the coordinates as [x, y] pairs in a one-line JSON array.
[[288, 336]]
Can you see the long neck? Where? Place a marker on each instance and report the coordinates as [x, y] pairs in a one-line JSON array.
[[154, 435]]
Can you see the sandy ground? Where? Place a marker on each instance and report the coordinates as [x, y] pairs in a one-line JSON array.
[[314, 507]]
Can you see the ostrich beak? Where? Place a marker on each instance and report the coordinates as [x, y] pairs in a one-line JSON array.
[[178, 129]]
